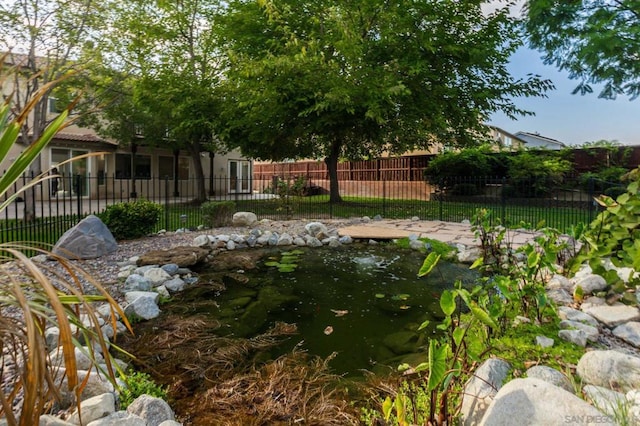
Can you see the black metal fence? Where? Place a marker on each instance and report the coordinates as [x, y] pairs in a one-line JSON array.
[[56, 208]]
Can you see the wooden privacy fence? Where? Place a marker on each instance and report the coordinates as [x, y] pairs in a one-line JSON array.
[[389, 169], [411, 168], [403, 176]]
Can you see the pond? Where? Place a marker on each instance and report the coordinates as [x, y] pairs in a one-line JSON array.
[[362, 303]]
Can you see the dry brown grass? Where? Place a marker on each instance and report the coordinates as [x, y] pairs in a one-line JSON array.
[[35, 296], [215, 380], [293, 389]]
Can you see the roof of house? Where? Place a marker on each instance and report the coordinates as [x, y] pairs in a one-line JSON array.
[[541, 138], [85, 137], [504, 132]]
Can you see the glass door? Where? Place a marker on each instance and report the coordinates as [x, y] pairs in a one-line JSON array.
[[75, 175], [239, 176]]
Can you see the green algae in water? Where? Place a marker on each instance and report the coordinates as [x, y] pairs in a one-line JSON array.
[[363, 302]]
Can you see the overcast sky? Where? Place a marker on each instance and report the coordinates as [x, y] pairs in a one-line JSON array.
[[572, 119]]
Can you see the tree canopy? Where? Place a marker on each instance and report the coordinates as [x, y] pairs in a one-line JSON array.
[[168, 65], [595, 41], [47, 40], [349, 79]]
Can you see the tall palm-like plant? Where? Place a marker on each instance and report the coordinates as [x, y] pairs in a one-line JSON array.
[[35, 296]]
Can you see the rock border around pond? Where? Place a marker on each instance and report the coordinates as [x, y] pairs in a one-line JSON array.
[[594, 321]]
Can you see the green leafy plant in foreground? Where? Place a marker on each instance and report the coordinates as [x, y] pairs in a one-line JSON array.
[[44, 295], [478, 321], [615, 233]]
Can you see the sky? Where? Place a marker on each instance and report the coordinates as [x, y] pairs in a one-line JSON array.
[[572, 119]]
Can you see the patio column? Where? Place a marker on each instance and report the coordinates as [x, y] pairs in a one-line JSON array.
[[212, 156], [176, 170], [134, 149]]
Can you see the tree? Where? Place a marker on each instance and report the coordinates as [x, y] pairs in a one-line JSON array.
[[595, 41], [348, 79], [53, 35], [166, 59]]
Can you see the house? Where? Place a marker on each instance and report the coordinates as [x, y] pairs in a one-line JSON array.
[[504, 139], [135, 170], [537, 141]]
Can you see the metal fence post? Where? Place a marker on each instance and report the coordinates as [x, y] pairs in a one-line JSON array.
[[384, 198], [78, 187], [503, 201], [166, 203], [592, 203]]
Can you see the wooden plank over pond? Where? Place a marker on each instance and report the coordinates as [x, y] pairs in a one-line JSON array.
[[374, 232]]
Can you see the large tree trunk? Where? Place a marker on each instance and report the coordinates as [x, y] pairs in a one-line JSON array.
[[201, 191], [332, 166]]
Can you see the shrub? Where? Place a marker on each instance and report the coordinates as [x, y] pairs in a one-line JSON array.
[[138, 383], [128, 221], [444, 169], [535, 175], [217, 213], [602, 180], [464, 189]]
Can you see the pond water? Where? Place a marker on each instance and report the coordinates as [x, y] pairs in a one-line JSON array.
[[363, 302]]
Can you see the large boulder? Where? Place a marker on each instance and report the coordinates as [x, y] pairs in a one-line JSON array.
[[536, 402], [480, 390], [89, 239], [244, 219], [153, 410], [225, 261], [610, 369], [182, 256]]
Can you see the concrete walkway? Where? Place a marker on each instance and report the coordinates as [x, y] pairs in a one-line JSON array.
[[448, 232]]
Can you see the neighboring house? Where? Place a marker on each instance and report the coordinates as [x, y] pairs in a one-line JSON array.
[[118, 168], [506, 140], [536, 140]]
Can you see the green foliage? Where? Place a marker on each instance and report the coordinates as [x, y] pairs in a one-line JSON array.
[[517, 344], [536, 174], [137, 384], [217, 213], [445, 170], [429, 263], [169, 66], [592, 40], [530, 173], [519, 274], [332, 79], [480, 320], [615, 232], [287, 188], [131, 220]]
